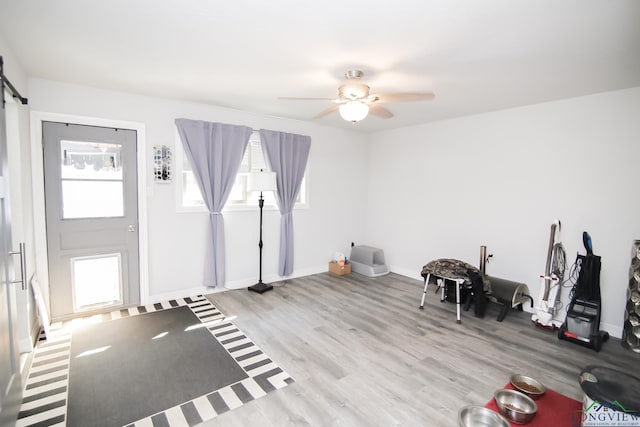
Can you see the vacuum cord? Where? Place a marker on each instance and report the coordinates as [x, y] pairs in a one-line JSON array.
[[574, 273], [559, 261], [558, 267]]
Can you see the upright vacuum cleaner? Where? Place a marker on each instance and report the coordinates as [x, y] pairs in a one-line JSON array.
[[546, 312], [582, 324]]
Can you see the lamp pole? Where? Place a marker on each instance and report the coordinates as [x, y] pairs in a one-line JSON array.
[[260, 287], [261, 205]]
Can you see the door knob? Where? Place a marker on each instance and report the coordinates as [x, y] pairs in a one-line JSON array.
[[132, 228]]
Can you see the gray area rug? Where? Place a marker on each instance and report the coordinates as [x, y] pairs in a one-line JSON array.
[[149, 363], [176, 363]]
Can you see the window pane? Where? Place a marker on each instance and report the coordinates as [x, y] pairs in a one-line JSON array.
[[186, 166], [302, 194], [252, 161], [97, 281], [191, 195], [257, 157], [92, 199], [244, 165], [238, 191], [91, 174], [88, 160]]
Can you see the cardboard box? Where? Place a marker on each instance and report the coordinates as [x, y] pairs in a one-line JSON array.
[[338, 269]]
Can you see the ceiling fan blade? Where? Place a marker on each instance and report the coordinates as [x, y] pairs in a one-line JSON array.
[[327, 111], [295, 98], [405, 96], [380, 111]]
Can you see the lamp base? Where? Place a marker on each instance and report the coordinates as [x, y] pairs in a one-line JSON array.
[[260, 287]]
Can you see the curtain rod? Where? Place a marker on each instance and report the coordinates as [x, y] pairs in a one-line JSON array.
[[7, 83]]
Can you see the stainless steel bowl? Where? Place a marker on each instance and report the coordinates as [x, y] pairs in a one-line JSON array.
[[516, 406], [479, 416], [528, 385]]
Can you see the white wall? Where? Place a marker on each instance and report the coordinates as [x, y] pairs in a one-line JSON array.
[[499, 179], [430, 191], [176, 241]]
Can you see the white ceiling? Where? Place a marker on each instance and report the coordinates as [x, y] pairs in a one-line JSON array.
[[476, 56]]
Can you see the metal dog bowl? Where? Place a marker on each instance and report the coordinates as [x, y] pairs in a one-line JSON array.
[[479, 416], [516, 406], [527, 385]]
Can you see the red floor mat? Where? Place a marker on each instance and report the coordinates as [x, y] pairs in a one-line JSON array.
[[554, 410]]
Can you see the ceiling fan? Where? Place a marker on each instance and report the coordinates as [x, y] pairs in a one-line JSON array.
[[354, 101]]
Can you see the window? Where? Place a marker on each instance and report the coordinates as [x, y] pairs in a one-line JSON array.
[[92, 180], [190, 198]]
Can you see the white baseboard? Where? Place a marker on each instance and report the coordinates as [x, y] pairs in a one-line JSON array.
[[25, 345], [274, 278], [412, 274], [614, 331], [233, 285], [182, 293]]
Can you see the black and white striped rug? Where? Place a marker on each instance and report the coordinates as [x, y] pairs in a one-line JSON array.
[[63, 387]]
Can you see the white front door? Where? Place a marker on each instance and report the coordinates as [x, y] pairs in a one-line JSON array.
[[92, 218]]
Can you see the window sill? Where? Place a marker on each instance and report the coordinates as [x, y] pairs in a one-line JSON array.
[[236, 208]]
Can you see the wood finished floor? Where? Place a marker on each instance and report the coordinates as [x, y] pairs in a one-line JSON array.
[[363, 354]]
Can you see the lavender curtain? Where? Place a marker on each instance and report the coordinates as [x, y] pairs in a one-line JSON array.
[[286, 154], [215, 152]]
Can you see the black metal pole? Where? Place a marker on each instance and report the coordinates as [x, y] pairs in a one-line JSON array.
[[260, 287], [7, 83], [261, 204]]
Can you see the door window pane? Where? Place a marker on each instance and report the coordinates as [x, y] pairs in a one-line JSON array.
[[92, 180], [96, 281], [92, 199]]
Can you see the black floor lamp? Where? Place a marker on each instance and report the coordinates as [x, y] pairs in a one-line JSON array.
[[261, 181]]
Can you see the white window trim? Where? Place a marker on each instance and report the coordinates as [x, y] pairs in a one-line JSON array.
[[178, 158]]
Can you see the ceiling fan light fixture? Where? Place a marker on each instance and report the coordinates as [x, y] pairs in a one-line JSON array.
[[353, 91], [354, 111]]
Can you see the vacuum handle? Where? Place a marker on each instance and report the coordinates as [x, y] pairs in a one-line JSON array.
[[547, 269], [588, 244]]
